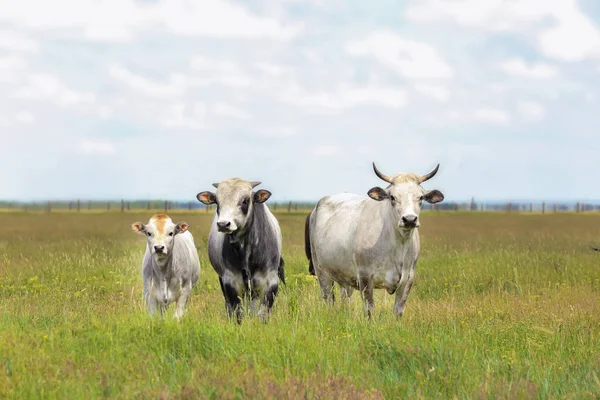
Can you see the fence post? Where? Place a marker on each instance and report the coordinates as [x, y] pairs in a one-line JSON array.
[[122, 205], [530, 207], [190, 205], [206, 208], [148, 205], [128, 206], [290, 206], [48, 209], [555, 208], [544, 207], [275, 206], [166, 206], [78, 205], [108, 206], [70, 205]]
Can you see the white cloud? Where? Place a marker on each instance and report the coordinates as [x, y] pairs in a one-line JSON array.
[[407, 57], [270, 68], [347, 97], [223, 109], [326, 151], [439, 93], [531, 110], [573, 38], [518, 67], [218, 72], [25, 117], [560, 28], [48, 88], [492, 116], [122, 20], [280, 131], [11, 67], [15, 41], [180, 116], [96, 147], [176, 86]]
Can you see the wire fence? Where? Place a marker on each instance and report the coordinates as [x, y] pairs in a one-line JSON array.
[[278, 206]]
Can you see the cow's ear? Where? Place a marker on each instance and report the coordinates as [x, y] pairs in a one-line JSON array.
[[206, 197], [433, 196], [138, 227], [378, 194], [261, 196], [181, 227]]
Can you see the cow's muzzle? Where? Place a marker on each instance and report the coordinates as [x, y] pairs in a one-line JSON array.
[[225, 227], [410, 221]]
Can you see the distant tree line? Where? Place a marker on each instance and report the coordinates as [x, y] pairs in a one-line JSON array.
[[289, 206]]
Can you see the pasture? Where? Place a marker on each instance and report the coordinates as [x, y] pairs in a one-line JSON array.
[[503, 306]]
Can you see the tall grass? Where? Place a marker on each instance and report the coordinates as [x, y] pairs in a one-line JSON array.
[[503, 306]]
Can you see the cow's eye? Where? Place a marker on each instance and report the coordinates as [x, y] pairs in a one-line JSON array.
[[392, 198], [148, 233], [245, 202], [170, 233]]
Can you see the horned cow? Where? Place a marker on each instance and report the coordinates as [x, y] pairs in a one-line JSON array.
[[370, 242]]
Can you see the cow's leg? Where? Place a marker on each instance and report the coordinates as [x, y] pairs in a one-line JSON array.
[[151, 303], [403, 290], [346, 293], [268, 292], [365, 285], [183, 299], [257, 290], [326, 284], [232, 300]]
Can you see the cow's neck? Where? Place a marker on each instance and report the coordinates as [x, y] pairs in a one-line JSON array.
[[163, 266], [405, 235]]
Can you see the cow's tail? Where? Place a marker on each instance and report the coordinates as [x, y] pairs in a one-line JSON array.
[[311, 267], [281, 271]]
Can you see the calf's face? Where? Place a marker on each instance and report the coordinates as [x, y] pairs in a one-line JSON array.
[[235, 200], [160, 232]]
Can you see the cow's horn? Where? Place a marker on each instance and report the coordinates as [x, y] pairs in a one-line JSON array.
[[430, 175], [380, 175], [255, 183]]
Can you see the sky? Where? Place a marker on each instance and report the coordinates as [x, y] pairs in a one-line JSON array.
[[159, 99]]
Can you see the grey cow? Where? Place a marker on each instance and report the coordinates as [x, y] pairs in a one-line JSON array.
[[171, 265], [244, 245], [370, 242]]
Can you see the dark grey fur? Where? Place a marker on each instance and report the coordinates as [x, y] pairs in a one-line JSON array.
[[249, 262]]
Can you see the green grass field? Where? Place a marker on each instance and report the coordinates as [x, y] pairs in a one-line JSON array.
[[503, 306]]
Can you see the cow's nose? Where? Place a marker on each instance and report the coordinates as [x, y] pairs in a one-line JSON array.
[[223, 224], [409, 220], [159, 248]]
